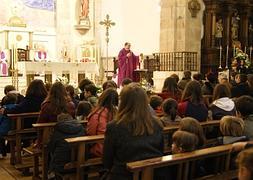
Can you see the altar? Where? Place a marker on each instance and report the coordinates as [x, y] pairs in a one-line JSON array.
[[72, 71]]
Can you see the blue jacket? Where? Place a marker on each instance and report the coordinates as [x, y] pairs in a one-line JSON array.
[[5, 123]]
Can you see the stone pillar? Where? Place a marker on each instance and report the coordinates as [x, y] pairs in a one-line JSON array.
[[227, 14], [179, 31], [244, 25]]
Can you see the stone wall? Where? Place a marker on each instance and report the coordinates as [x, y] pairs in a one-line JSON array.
[[179, 30]]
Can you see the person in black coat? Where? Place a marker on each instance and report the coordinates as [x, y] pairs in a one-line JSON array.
[[59, 149], [134, 135], [241, 88]]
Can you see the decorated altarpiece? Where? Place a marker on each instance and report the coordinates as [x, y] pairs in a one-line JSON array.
[[228, 36], [26, 51]]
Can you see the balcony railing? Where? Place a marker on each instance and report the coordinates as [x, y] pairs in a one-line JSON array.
[[172, 61]]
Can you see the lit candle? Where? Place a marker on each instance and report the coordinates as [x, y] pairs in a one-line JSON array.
[[227, 58]]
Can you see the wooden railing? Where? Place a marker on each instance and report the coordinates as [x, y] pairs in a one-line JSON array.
[[172, 61]]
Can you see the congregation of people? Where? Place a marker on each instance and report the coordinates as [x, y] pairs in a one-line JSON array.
[[132, 120]]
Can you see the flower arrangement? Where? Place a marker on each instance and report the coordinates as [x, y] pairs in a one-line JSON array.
[[240, 61], [146, 85], [62, 79]]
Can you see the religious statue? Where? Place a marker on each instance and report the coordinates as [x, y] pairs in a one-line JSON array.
[[250, 35], [235, 26], [3, 64], [218, 32], [84, 8]]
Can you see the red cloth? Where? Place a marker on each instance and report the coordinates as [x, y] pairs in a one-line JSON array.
[[97, 122], [127, 65]]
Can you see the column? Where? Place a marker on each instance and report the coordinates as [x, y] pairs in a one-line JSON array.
[[227, 14], [244, 25]]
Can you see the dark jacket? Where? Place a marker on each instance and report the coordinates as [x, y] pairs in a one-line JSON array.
[[5, 122], [59, 149], [189, 109], [207, 88], [240, 90], [29, 104], [121, 147], [222, 107]]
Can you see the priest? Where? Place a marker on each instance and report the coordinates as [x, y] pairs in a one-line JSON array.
[[128, 62]]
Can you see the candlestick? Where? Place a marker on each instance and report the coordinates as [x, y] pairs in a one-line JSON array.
[[234, 51], [227, 58], [250, 51], [220, 57]]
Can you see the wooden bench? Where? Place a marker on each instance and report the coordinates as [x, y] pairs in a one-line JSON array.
[[185, 163], [44, 130], [18, 134], [169, 130], [79, 157]]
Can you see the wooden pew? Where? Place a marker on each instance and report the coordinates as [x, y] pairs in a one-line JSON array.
[[79, 160], [144, 169], [16, 135], [44, 130]]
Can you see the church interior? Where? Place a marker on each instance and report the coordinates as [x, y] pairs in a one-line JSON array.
[[126, 90]]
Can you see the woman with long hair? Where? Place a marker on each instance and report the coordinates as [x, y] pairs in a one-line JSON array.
[[103, 113], [56, 102], [192, 104], [134, 135], [170, 89]]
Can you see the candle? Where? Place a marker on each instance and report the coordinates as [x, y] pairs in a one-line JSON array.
[[245, 50], [227, 58], [220, 56]]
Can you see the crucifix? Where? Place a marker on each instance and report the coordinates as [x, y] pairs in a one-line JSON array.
[[107, 23]]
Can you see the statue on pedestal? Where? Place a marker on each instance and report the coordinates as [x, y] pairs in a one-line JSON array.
[[218, 32], [235, 26], [84, 12]]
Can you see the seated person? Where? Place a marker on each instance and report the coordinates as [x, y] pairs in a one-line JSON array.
[[208, 87], [193, 126], [5, 123], [170, 89], [156, 102], [11, 89], [71, 92], [82, 84], [244, 107], [192, 104], [187, 78], [244, 161], [241, 87], [232, 129], [90, 93], [83, 110], [59, 149], [222, 104], [170, 116], [183, 141]]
